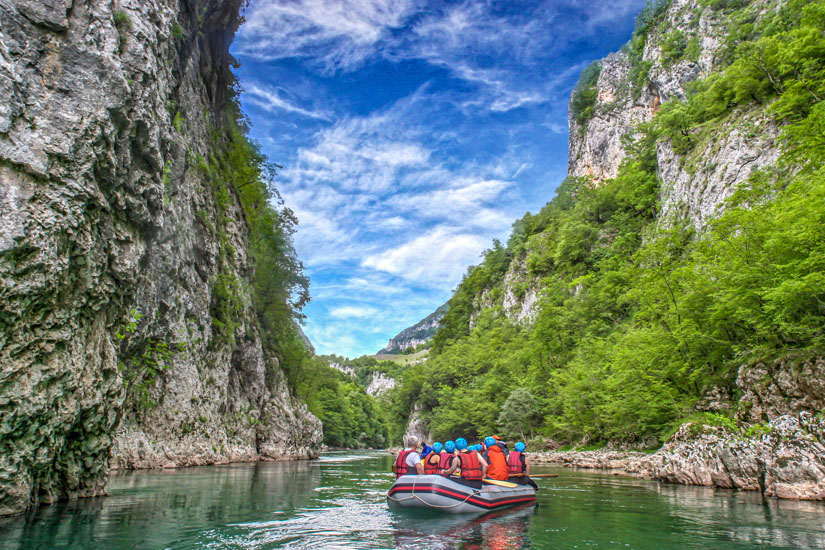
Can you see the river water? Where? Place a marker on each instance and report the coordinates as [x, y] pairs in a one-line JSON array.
[[338, 502]]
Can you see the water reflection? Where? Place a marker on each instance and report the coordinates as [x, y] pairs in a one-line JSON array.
[[339, 503], [645, 514], [499, 530], [154, 510]]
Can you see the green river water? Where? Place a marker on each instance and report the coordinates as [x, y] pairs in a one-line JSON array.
[[339, 502]]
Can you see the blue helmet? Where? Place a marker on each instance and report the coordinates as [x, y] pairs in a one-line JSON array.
[[460, 443], [520, 446], [476, 448], [427, 450], [438, 447], [449, 446], [489, 441]]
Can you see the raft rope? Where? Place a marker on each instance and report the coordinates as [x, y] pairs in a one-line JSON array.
[[413, 495]]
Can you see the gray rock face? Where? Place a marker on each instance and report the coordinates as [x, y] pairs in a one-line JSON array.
[[786, 462], [103, 212], [420, 333], [417, 426], [695, 187], [380, 383], [783, 387], [520, 297]]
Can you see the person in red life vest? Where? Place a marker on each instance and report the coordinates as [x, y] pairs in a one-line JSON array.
[[408, 461], [518, 467], [496, 457], [447, 457], [473, 466], [432, 461]]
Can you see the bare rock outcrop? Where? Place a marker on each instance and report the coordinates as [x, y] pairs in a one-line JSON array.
[[109, 254], [379, 383], [782, 387], [417, 425], [787, 461], [695, 186]]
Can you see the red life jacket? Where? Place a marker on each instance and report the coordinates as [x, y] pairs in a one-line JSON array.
[[446, 461], [401, 468], [514, 465], [431, 466], [470, 465]]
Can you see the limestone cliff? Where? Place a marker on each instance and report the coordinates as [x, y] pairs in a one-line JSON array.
[[109, 253], [420, 333], [630, 90]]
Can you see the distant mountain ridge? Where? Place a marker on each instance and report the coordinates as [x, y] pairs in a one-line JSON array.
[[420, 333]]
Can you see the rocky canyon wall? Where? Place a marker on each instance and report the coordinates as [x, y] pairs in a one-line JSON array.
[[109, 349]]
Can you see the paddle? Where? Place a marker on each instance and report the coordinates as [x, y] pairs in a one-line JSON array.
[[544, 475], [501, 483]]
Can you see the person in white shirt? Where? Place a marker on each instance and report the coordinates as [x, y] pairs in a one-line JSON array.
[[414, 459], [409, 461]]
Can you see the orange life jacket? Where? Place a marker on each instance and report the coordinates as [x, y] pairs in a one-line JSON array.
[[497, 468], [470, 465], [401, 467], [514, 464], [431, 466], [446, 461]]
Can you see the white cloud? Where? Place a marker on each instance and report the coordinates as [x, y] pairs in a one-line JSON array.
[[271, 99], [467, 202], [436, 259], [353, 312], [507, 55], [336, 34], [358, 154]]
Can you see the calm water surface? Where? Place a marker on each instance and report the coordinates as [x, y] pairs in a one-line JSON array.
[[339, 502]]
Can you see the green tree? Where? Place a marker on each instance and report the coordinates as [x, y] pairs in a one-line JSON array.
[[519, 412]]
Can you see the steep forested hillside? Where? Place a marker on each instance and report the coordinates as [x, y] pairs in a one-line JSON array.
[[670, 257]]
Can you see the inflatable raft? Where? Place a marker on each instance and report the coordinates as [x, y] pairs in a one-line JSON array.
[[442, 493]]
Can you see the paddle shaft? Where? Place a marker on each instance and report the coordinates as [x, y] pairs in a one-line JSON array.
[[544, 475], [500, 483]]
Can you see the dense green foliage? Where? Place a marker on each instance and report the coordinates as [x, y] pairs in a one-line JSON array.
[[350, 416], [239, 174], [583, 100], [639, 315]]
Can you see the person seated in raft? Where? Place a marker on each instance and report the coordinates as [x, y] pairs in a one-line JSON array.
[[473, 467], [518, 466], [447, 457], [432, 461], [408, 461], [496, 457]]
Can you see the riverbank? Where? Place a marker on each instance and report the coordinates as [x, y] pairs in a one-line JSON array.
[[784, 459]]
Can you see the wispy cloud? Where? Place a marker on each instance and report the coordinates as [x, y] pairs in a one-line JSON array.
[[353, 312], [412, 133], [272, 99], [435, 259], [334, 34]]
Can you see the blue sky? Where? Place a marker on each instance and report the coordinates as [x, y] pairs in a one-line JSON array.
[[411, 134]]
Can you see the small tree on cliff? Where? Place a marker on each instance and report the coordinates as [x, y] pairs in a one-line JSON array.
[[520, 412]]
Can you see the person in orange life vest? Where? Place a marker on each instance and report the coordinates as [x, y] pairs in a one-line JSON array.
[[408, 461], [447, 457], [496, 457], [518, 467], [432, 461], [473, 466]]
